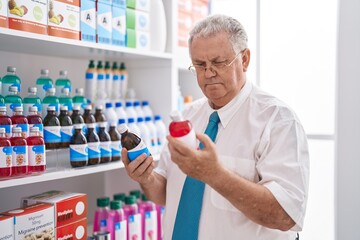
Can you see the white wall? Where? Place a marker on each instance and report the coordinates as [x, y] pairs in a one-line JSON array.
[[347, 170]]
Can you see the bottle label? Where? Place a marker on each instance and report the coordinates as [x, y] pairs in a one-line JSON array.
[[52, 134], [94, 149], [78, 152], [89, 76], [66, 133], [37, 155], [7, 130], [138, 150], [121, 230], [40, 126], [10, 108], [5, 157], [150, 225], [134, 226], [105, 149], [103, 225], [115, 77], [24, 129], [116, 148], [19, 156]]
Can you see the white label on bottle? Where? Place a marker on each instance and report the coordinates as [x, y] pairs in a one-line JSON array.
[[52, 134], [115, 148], [19, 156], [121, 230], [5, 157], [37, 155], [78, 152], [190, 139], [66, 133], [105, 148], [151, 225], [135, 226], [94, 149]]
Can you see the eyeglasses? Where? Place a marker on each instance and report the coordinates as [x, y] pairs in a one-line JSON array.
[[215, 67]]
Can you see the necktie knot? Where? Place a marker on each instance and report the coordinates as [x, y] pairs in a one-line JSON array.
[[214, 117]]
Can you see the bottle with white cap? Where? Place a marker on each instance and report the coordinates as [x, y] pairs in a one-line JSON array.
[[121, 114], [110, 115], [36, 151], [35, 120], [147, 109], [153, 135], [66, 100], [10, 79], [19, 120], [43, 83], [181, 129], [67, 129], [31, 100], [12, 100], [52, 135], [132, 142], [161, 132], [50, 100], [144, 132], [62, 82]]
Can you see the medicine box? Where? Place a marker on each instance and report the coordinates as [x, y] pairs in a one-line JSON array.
[[104, 22], [137, 39], [75, 230], [25, 15], [142, 5], [35, 220], [119, 3], [3, 15], [68, 207], [88, 20], [118, 26], [6, 227], [137, 20], [64, 18]]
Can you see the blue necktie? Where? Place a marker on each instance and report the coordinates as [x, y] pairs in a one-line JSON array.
[[187, 218]]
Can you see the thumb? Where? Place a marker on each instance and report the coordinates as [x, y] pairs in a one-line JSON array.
[[124, 156], [204, 139]]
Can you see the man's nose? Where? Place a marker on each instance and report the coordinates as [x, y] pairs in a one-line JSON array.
[[209, 72]]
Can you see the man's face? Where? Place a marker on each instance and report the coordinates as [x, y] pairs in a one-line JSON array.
[[219, 81]]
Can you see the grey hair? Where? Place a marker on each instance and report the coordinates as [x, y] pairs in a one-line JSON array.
[[219, 23]]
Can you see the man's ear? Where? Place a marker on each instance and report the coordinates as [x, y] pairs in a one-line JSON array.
[[245, 57]]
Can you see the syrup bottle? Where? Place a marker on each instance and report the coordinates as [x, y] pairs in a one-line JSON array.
[[78, 148], [5, 155], [66, 129], [52, 135], [99, 117], [5, 121], [36, 150], [88, 117], [19, 120], [133, 143], [105, 144], [35, 120], [93, 144], [115, 143], [182, 129], [76, 118], [20, 165]]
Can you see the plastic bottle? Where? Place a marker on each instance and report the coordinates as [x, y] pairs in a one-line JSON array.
[[110, 115], [52, 135], [36, 151], [43, 83], [12, 100], [130, 111], [133, 217], [62, 82], [116, 94], [19, 120], [10, 79], [99, 117], [35, 120], [66, 128], [133, 143], [79, 99], [50, 100], [90, 81], [108, 77], [66, 100], [31, 100], [144, 131], [20, 164], [5, 155], [117, 224], [148, 212], [153, 146], [182, 129], [160, 219], [123, 79], [137, 194], [100, 82], [93, 144], [138, 109], [105, 143], [161, 132], [78, 148], [134, 127], [115, 143], [77, 119], [147, 109], [88, 117], [101, 214], [120, 113], [5, 121]]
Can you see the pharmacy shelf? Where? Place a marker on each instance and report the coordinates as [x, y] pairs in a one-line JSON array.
[[62, 171], [44, 45]]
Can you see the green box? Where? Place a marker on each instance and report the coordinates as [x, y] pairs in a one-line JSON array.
[[130, 18], [130, 38], [131, 4]]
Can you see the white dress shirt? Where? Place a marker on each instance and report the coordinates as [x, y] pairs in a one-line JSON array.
[[261, 139]]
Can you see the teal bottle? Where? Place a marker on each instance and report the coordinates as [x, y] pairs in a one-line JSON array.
[[12, 100], [43, 83], [62, 82], [66, 100], [50, 100], [79, 99], [10, 79], [31, 100]]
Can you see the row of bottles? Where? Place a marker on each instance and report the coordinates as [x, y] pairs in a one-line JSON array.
[[129, 217]]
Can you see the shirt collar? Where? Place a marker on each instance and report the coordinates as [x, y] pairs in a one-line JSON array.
[[228, 111]]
